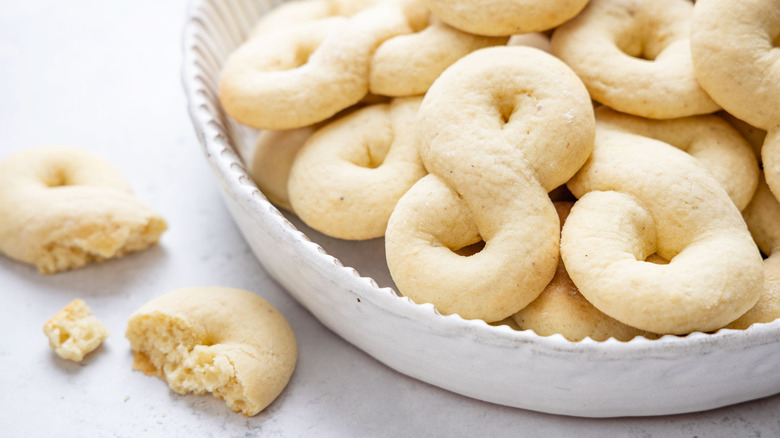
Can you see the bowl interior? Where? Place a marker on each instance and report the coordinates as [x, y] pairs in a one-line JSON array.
[[348, 287]]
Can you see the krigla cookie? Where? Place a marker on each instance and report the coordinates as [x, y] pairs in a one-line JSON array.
[[229, 342], [62, 208]]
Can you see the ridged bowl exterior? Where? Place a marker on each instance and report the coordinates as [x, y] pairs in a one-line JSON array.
[[496, 364]]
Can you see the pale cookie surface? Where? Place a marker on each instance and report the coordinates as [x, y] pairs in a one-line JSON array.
[[63, 208], [733, 45], [229, 342], [639, 197], [300, 75], [346, 180], [763, 219], [74, 331], [505, 17], [736, 59], [709, 139], [560, 308], [754, 136], [634, 56], [407, 65], [272, 160], [294, 12], [498, 130]]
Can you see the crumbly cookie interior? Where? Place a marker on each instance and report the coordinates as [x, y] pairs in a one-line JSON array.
[[74, 331], [186, 358], [99, 242]]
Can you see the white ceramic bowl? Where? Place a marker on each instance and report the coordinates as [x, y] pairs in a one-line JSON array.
[[496, 364]]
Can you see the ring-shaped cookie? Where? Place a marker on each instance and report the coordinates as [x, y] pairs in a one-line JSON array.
[[504, 17], [300, 75], [634, 56], [62, 208], [346, 180], [229, 342], [639, 197], [498, 129], [710, 139], [736, 59]]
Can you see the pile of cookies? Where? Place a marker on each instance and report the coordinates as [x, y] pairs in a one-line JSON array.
[[620, 178]]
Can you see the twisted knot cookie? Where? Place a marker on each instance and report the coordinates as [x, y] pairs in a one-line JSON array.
[[639, 197], [229, 342], [735, 56], [505, 17], [497, 130], [62, 208], [560, 308], [300, 75], [407, 65], [349, 175], [763, 216], [634, 56], [709, 139]]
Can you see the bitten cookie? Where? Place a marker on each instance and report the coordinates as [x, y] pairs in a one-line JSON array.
[[74, 331], [229, 342], [62, 208]]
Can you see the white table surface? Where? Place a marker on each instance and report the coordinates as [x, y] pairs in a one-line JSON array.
[[103, 75]]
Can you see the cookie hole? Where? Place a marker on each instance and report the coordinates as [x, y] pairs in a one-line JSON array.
[[646, 39], [64, 336], [470, 250], [506, 107], [656, 259], [57, 178], [372, 161], [302, 55], [636, 48], [375, 152], [292, 61]]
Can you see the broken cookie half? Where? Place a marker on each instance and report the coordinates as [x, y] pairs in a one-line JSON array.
[[229, 342], [62, 208]]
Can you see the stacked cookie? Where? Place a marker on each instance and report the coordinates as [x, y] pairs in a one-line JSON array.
[[456, 151]]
